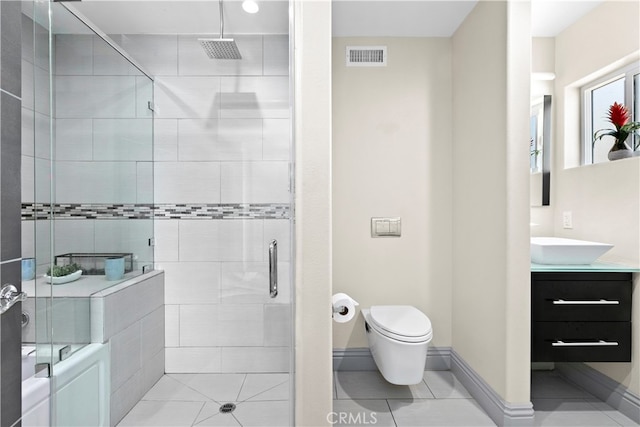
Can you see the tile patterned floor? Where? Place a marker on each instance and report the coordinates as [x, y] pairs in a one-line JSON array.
[[440, 400], [363, 397], [360, 398], [195, 400], [559, 403]]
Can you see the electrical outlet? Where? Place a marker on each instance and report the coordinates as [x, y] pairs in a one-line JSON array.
[[567, 220]]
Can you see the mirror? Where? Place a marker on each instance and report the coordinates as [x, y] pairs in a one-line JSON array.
[[540, 151]]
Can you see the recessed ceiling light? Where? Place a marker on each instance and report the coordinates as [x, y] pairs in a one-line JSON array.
[[250, 6]]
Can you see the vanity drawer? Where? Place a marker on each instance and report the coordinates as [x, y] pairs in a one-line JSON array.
[[569, 300], [581, 342]]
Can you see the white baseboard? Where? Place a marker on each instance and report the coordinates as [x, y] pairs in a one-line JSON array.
[[604, 388], [501, 412]]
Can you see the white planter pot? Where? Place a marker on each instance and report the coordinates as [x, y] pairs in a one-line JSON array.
[[619, 154]]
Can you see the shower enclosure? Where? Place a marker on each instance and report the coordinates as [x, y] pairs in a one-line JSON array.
[[87, 198], [140, 147]]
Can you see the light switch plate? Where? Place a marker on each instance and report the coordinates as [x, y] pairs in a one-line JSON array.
[[385, 227], [567, 219]]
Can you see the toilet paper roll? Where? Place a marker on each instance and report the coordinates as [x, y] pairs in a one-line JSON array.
[[344, 307]]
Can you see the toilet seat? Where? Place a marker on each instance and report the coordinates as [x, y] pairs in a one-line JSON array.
[[401, 322]]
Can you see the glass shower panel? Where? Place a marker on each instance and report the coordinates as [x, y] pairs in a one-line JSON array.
[[103, 157], [103, 172], [254, 323], [87, 174], [37, 176]]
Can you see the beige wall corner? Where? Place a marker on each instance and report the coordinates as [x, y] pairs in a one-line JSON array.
[[312, 92], [491, 288]]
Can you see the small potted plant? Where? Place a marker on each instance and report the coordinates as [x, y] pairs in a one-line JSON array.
[[59, 274], [620, 117]]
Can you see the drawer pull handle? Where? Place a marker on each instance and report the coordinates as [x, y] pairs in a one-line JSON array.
[[598, 302], [600, 343]]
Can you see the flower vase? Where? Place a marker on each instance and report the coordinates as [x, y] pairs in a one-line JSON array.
[[620, 150]]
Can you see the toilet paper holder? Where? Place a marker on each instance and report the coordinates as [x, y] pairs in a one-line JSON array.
[[341, 309]]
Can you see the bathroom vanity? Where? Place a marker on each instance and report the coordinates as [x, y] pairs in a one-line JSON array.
[[581, 314]]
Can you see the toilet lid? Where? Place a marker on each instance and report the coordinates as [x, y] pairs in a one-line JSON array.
[[402, 320]]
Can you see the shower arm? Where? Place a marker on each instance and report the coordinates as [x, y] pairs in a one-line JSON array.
[[221, 19]]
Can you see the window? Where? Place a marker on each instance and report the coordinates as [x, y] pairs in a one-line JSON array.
[[623, 87]]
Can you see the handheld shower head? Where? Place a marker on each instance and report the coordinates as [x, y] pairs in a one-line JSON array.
[[220, 48]]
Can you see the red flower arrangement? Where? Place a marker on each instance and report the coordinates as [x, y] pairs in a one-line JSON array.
[[620, 117]]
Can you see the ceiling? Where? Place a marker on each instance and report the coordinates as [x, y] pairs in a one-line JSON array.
[[367, 18], [184, 16], [398, 18]]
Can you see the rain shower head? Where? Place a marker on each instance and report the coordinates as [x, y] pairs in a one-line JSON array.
[[220, 48]]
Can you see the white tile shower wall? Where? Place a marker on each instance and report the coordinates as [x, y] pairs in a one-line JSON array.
[[74, 54], [103, 124], [96, 99], [225, 139], [74, 139], [221, 135], [95, 182], [254, 97], [193, 360], [221, 240], [165, 140], [111, 97], [185, 182], [158, 53], [144, 182], [131, 318], [191, 282], [187, 97], [122, 139], [254, 182]]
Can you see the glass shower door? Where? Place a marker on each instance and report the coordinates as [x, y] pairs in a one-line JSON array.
[[223, 195]]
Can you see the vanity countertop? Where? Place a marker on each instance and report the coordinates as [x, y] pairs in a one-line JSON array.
[[594, 267]]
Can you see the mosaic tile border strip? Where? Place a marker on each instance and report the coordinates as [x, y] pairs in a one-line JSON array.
[[39, 211]]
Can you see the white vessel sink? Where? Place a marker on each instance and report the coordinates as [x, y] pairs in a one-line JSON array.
[[556, 250]]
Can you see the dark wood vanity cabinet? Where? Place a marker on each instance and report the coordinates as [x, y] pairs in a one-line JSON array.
[[580, 317]]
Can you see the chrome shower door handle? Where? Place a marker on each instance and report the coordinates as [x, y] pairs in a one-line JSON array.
[[273, 269], [9, 295]]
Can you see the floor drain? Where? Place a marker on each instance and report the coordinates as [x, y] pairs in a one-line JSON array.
[[227, 408]]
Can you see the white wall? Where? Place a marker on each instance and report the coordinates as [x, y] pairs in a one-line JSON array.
[[392, 157], [491, 286], [313, 382], [604, 198]]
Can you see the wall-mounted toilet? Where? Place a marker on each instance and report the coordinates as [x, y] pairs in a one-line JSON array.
[[398, 338]]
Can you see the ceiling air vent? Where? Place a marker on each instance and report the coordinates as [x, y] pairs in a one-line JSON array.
[[366, 56]]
